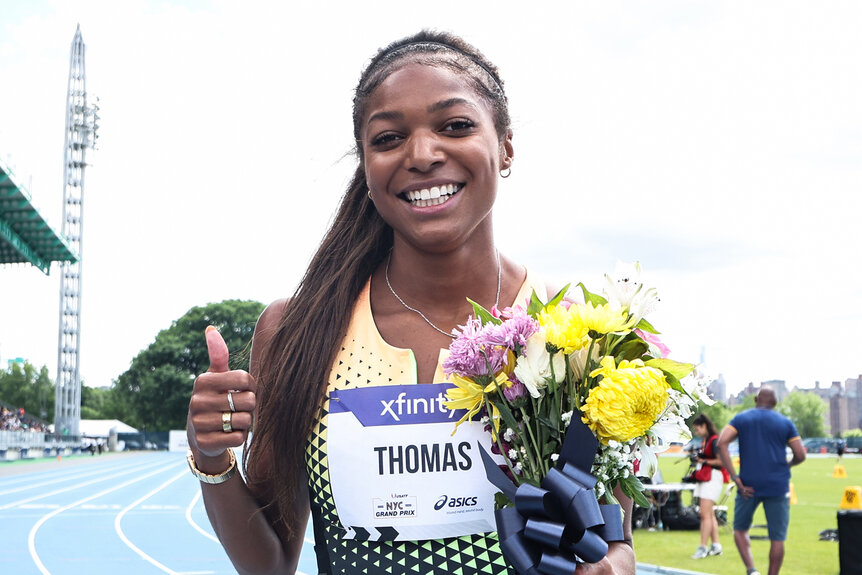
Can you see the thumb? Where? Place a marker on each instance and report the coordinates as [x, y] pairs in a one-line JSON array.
[[217, 350]]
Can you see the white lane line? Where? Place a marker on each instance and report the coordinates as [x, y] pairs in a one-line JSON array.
[[76, 486], [31, 539], [193, 523], [35, 485], [119, 519]]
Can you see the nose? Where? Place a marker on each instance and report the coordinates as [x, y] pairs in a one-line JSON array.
[[424, 152]]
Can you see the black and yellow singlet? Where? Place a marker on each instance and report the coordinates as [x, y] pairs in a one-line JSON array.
[[365, 359]]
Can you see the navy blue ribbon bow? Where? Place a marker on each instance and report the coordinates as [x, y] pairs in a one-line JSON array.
[[552, 526]]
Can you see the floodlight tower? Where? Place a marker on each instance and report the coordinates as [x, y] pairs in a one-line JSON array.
[[81, 124]]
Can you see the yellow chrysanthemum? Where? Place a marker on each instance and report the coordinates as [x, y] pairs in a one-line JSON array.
[[602, 318], [626, 402], [561, 330], [469, 395]]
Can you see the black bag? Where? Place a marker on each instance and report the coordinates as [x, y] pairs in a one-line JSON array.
[[850, 541], [689, 476], [677, 517]]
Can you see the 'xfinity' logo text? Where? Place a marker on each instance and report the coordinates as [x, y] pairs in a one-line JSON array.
[[401, 406]]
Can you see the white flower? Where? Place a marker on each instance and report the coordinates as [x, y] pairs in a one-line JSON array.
[[555, 457], [624, 289], [578, 358], [566, 418], [485, 420], [533, 369], [696, 384], [600, 489], [513, 454], [670, 429], [649, 462], [517, 468], [508, 435]]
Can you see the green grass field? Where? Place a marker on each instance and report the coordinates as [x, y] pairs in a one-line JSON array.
[[819, 495]]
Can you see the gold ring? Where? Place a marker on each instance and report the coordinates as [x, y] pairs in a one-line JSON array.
[[225, 422]]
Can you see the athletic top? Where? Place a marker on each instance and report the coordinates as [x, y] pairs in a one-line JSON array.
[[763, 436], [366, 359]]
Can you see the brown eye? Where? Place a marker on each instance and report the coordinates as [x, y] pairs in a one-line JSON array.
[[459, 126], [385, 139]]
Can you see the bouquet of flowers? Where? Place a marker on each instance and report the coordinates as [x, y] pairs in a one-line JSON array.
[[537, 373]]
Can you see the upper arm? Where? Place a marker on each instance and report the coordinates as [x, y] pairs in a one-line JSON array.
[[728, 435], [261, 464], [797, 448], [266, 326]]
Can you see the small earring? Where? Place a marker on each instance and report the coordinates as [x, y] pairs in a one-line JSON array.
[[506, 173], [369, 195]]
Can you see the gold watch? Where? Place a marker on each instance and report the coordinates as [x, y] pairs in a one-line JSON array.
[[213, 479]]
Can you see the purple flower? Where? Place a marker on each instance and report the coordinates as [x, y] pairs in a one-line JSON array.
[[472, 354], [516, 391], [513, 333]]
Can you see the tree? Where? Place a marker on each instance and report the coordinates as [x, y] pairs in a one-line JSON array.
[[856, 432], [23, 386], [806, 410], [98, 403], [154, 393], [719, 413]]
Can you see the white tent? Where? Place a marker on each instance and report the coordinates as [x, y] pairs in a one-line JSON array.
[[103, 427]]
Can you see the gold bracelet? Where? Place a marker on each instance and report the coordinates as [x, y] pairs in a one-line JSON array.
[[213, 479]]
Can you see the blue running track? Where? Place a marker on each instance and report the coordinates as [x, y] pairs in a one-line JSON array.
[[128, 514]]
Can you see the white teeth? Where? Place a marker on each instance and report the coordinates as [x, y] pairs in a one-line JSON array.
[[431, 196]]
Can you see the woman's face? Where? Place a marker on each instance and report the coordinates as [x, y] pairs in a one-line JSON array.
[[432, 156], [700, 429]]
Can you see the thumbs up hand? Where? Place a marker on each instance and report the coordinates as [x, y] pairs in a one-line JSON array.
[[222, 405]]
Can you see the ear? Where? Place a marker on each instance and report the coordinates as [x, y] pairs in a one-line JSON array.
[[507, 153]]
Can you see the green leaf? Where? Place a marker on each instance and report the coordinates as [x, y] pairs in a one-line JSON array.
[[501, 501], [631, 349], [549, 449], [505, 412], [590, 297], [677, 369], [644, 325], [632, 487], [559, 297], [554, 429], [674, 383], [483, 314], [535, 307]]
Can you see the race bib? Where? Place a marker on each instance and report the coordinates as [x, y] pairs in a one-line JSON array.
[[397, 472]]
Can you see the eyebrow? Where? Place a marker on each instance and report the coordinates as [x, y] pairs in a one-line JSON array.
[[435, 107]]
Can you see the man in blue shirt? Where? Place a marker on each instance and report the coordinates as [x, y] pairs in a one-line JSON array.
[[764, 475]]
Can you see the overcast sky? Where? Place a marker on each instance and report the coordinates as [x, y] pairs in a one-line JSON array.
[[718, 143]]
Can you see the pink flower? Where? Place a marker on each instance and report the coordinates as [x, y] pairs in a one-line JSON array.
[[472, 355], [654, 341]]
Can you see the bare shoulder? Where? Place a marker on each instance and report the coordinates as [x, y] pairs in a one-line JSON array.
[[268, 320], [267, 325]]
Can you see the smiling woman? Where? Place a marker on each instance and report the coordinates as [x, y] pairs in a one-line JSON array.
[[411, 241]]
